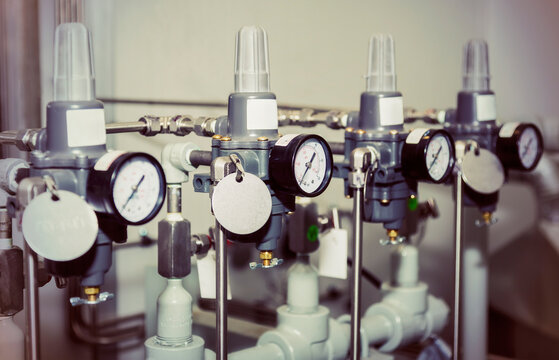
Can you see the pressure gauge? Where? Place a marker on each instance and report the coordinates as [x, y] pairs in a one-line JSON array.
[[428, 154], [129, 186], [520, 146], [301, 164]]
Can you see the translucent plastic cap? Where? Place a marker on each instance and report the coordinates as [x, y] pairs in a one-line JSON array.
[[252, 67], [381, 75], [74, 78], [475, 66]]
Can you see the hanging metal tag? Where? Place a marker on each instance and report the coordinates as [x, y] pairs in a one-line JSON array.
[[242, 207], [59, 225]]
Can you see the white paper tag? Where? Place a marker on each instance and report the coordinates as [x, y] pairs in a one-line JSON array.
[[105, 161], [507, 130], [391, 111], [332, 254], [262, 114], [285, 139], [86, 127], [207, 278], [415, 136], [486, 107]]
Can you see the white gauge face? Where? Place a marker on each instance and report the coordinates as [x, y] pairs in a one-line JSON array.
[[528, 147], [137, 189], [437, 157], [310, 165]]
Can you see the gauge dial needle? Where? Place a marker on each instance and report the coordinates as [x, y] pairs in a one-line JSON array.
[[134, 191], [435, 158], [527, 147], [308, 165]]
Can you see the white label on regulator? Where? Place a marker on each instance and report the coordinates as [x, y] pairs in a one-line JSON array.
[[507, 130], [486, 107], [285, 139], [262, 114], [105, 161], [206, 276], [415, 136], [86, 127], [332, 254], [391, 111]]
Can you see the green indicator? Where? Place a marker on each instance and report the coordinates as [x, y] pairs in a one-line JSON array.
[[412, 203], [312, 233]]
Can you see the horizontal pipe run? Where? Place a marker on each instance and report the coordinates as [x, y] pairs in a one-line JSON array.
[[337, 148], [124, 127], [200, 157]]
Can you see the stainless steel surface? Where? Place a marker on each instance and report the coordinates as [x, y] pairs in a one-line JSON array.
[[124, 127], [32, 328], [482, 171], [20, 91], [221, 293], [337, 147], [459, 192], [174, 199], [242, 207], [355, 349]]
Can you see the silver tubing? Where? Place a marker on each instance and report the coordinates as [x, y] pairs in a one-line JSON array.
[[355, 350], [124, 127], [221, 292], [457, 258], [32, 339]]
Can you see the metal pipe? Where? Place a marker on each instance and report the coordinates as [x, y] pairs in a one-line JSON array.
[[124, 127], [221, 293], [200, 157], [475, 280], [355, 349], [459, 192], [32, 339], [338, 148], [8, 137], [174, 198]]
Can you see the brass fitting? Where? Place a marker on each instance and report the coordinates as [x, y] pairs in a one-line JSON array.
[[392, 235], [393, 132], [385, 201], [91, 292], [487, 217], [361, 132], [217, 137], [266, 257], [349, 129], [262, 138]]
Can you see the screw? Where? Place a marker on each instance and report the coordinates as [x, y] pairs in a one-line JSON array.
[[262, 138], [226, 138]]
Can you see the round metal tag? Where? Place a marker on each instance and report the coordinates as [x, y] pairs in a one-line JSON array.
[[483, 172], [59, 230], [242, 207]]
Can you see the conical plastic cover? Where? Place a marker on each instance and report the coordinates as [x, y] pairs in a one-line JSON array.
[[252, 66], [74, 78], [381, 74], [476, 66]]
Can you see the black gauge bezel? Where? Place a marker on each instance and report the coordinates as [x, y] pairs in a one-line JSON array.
[[282, 166], [414, 157], [101, 181], [508, 148]]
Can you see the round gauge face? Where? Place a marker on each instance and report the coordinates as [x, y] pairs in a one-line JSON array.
[[137, 189], [310, 166], [438, 157], [528, 147]]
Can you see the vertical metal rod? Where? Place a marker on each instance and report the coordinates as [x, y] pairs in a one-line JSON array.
[[355, 350], [221, 293], [32, 339], [457, 262]]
